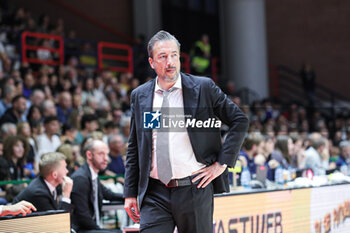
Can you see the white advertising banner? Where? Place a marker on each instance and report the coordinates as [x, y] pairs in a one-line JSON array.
[[330, 209]]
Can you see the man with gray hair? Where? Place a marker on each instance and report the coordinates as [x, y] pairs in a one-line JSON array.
[[8, 129], [344, 156], [172, 174], [313, 156], [88, 192], [52, 188]]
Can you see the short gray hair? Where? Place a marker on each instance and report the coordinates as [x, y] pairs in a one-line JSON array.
[[160, 36], [49, 161]]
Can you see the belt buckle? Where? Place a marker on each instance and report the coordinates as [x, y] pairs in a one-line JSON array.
[[172, 184]]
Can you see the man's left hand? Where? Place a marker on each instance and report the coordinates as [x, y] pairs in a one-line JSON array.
[[208, 174]]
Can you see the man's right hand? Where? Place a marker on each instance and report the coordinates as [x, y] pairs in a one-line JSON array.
[[67, 187], [132, 208]]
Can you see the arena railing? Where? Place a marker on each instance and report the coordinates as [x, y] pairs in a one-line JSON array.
[[116, 57], [28, 47]]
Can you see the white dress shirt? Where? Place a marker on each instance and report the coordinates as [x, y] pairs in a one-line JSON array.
[[182, 158]]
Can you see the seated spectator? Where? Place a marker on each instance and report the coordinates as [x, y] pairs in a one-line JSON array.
[[283, 150], [67, 150], [12, 164], [110, 127], [51, 187], [344, 156], [64, 107], [69, 133], [88, 125], [49, 108], [22, 207], [37, 97], [28, 84], [313, 156], [23, 129], [34, 114], [8, 92], [15, 114], [88, 191], [49, 140], [249, 150], [8, 129], [116, 150], [14, 159]]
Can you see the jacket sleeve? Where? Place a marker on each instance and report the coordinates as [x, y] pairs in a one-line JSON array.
[[109, 194], [80, 197], [132, 162], [231, 115]]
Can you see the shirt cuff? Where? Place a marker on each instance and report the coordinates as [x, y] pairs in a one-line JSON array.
[[64, 199]]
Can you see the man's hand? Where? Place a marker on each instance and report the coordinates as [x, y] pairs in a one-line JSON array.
[[208, 174], [22, 207], [132, 208], [67, 187]]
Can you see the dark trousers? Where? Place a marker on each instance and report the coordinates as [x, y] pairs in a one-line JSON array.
[[187, 207]]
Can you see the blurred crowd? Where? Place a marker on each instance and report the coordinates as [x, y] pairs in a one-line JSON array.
[[59, 108]]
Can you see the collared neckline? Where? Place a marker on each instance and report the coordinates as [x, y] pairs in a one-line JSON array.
[[177, 85], [94, 175], [50, 186]]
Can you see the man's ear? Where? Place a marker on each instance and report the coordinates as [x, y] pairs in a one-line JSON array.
[[88, 155], [150, 60], [54, 174]]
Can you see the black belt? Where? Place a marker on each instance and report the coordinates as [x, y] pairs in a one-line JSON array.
[[178, 182]]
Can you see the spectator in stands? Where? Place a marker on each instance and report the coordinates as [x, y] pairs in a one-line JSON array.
[[49, 108], [49, 140], [89, 90], [14, 159], [249, 150], [8, 92], [201, 54], [44, 54], [344, 156], [88, 125], [91, 105], [64, 107], [283, 149], [69, 133], [34, 114], [51, 190], [110, 127], [125, 126], [15, 114], [22, 207], [37, 97], [313, 156], [12, 164], [117, 148], [67, 150], [23, 129], [8, 129], [117, 115], [78, 158], [87, 212], [298, 156]]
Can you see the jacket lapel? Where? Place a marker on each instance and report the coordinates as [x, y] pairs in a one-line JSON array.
[[190, 95], [146, 104], [54, 203]]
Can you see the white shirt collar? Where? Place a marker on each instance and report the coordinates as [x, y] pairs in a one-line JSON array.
[[176, 85], [93, 173], [50, 186]]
